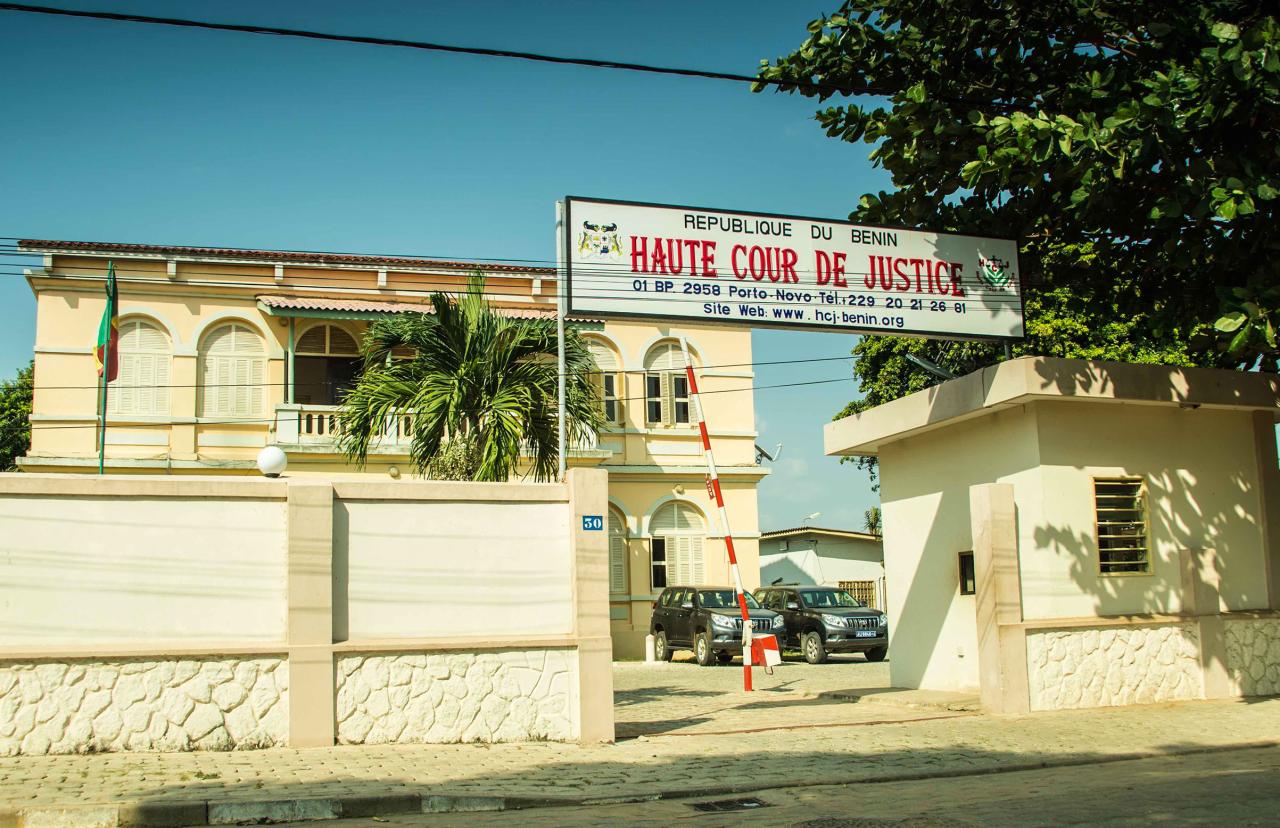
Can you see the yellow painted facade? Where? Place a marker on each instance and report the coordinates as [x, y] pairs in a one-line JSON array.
[[170, 416]]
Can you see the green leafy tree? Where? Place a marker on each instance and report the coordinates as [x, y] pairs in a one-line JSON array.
[[481, 387], [15, 417], [1141, 134]]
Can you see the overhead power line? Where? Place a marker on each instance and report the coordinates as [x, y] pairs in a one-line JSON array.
[[594, 63], [678, 371], [249, 420], [252, 28]]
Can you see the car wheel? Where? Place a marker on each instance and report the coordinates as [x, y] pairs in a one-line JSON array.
[[876, 653], [702, 649], [815, 652], [724, 656], [661, 649]]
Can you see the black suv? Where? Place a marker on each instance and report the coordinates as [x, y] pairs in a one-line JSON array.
[[821, 620], [707, 620]]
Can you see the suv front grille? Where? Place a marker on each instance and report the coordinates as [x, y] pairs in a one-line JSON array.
[[758, 624], [862, 622]]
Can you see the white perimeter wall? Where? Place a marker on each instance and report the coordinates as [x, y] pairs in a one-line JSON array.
[[91, 571], [434, 569]]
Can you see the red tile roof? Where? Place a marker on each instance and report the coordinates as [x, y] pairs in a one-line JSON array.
[[817, 530], [271, 256], [320, 303]]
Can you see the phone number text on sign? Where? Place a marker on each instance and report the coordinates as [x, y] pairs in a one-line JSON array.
[[652, 261]]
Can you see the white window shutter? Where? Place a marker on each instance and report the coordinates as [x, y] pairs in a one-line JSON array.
[[697, 560], [234, 369], [668, 401], [142, 386], [161, 399], [142, 399], [617, 564], [256, 370], [241, 378], [617, 555]]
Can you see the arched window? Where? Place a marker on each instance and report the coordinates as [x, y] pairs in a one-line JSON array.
[[327, 340], [233, 368], [326, 364], [676, 551], [608, 380], [617, 553], [666, 388], [142, 386]]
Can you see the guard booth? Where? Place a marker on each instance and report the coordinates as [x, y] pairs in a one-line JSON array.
[[1065, 534]]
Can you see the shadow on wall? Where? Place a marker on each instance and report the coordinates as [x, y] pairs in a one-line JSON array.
[[1213, 511], [783, 569]]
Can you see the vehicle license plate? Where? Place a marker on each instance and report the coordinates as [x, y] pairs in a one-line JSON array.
[[864, 634]]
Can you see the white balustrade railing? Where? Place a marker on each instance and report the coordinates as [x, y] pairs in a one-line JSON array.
[[319, 425], [300, 425]]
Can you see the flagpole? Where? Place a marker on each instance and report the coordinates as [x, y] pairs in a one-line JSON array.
[[106, 334], [102, 419]]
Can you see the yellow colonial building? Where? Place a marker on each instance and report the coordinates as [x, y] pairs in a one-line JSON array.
[[225, 351]]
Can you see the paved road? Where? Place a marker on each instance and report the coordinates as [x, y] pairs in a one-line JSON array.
[[697, 733], [1237, 788]]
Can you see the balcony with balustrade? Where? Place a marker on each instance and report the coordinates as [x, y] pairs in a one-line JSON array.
[[316, 429]]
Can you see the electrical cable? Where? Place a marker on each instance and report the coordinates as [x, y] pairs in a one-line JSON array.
[[246, 28], [247, 421]]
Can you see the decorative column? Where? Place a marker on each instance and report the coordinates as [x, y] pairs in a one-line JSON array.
[[1202, 599], [1264, 446], [310, 623], [589, 497], [1002, 640]]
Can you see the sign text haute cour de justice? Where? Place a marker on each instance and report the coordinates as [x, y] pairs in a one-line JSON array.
[[650, 260]]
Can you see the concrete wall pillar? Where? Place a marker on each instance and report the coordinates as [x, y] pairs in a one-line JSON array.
[[1202, 599], [1264, 446], [309, 545], [182, 406], [1002, 641], [589, 497]]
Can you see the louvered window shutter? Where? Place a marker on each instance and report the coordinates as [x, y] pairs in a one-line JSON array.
[[142, 387], [697, 565], [161, 398], [617, 556], [143, 399], [668, 403], [234, 369]]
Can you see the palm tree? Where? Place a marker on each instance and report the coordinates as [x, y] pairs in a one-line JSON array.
[[481, 389], [871, 520]]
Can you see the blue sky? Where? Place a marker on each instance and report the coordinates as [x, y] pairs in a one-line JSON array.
[[120, 132]]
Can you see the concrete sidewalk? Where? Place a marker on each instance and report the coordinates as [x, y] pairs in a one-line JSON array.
[[282, 785]]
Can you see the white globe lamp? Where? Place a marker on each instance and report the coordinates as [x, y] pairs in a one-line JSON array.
[[271, 461]]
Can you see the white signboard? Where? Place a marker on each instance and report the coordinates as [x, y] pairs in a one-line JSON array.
[[658, 262]]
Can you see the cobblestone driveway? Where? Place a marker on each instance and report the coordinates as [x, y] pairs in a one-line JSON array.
[[682, 698]]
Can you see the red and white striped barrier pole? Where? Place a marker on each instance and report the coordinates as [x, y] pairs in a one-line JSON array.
[[713, 489]]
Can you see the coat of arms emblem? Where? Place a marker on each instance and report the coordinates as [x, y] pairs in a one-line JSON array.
[[995, 272], [599, 241]]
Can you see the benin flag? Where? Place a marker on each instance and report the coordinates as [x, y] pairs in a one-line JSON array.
[[107, 351]]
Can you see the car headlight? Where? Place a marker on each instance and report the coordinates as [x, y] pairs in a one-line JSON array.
[[723, 621], [777, 621], [883, 620], [833, 620]]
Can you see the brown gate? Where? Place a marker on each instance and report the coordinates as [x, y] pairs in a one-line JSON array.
[[864, 591]]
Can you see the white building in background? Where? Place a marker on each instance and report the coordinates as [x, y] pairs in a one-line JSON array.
[[827, 557]]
